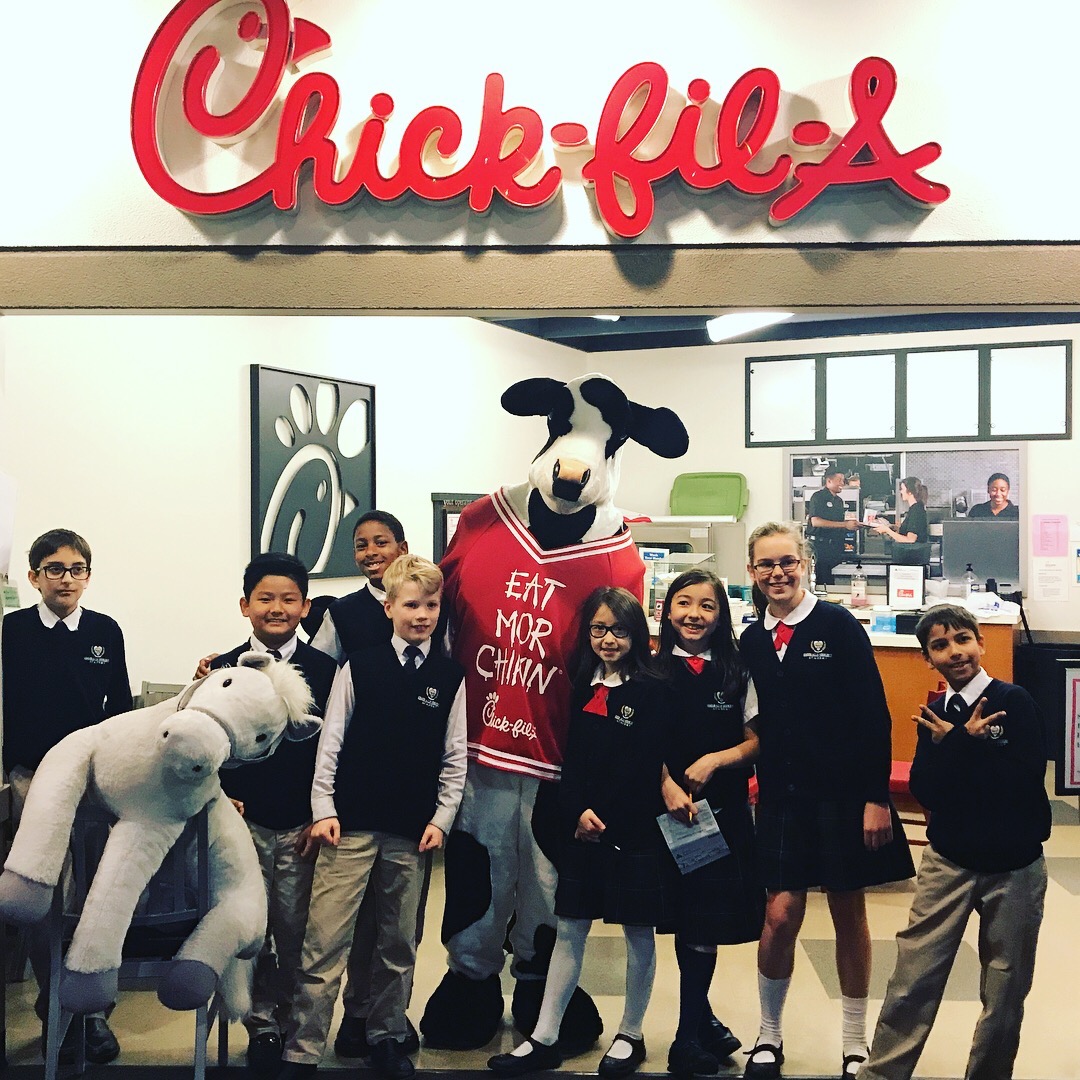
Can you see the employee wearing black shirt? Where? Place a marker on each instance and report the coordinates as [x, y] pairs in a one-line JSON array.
[[828, 528], [913, 527], [997, 507]]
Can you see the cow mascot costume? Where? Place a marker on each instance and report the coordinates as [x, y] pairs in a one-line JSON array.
[[520, 565]]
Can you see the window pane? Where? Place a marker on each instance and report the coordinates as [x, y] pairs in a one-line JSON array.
[[943, 393], [860, 397], [781, 395], [1028, 390]]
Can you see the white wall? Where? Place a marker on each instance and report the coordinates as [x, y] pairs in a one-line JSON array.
[[133, 430]]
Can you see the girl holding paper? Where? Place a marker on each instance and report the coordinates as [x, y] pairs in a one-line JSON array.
[[614, 864], [710, 758]]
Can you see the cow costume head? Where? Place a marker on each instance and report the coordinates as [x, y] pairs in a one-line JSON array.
[[572, 479]]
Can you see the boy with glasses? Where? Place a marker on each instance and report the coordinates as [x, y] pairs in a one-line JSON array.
[[63, 669]]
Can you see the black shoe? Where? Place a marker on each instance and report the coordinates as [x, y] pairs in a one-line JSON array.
[[852, 1064], [764, 1070], [294, 1070], [388, 1061], [101, 1044], [540, 1057], [611, 1068], [717, 1038], [411, 1043], [264, 1052], [351, 1041], [687, 1057]]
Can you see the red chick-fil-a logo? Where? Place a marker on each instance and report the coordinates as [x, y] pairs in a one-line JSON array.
[[625, 165]]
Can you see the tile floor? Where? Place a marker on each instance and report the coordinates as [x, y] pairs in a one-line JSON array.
[[151, 1035]]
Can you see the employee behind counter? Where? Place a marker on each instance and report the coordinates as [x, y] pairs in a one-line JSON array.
[[913, 527], [828, 529]]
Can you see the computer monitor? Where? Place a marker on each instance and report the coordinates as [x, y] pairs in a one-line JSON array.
[[991, 547]]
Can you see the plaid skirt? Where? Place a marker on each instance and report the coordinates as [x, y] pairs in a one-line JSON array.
[[631, 888], [803, 843], [723, 902]]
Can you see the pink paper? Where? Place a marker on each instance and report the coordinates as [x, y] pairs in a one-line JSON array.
[[1049, 535]]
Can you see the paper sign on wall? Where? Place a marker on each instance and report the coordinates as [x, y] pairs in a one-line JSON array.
[[1050, 536]]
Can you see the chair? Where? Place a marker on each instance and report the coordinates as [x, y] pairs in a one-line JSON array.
[[168, 911], [709, 494]]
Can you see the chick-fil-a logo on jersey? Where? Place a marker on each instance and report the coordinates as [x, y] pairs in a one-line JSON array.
[[628, 155]]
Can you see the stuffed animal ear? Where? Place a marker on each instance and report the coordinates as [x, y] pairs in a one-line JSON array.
[[303, 727], [659, 430], [258, 660], [533, 397]]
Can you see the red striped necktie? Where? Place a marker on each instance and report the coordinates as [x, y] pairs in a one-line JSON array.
[[695, 663], [598, 703], [783, 634]]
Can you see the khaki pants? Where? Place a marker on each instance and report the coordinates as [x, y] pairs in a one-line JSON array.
[[288, 889], [394, 869], [1010, 908]]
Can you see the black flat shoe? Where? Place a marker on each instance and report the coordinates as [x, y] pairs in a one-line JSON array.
[[611, 1068], [852, 1064], [539, 1058], [101, 1044], [716, 1037], [388, 1061], [764, 1070], [351, 1041], [264, 1053], [689, 1058]]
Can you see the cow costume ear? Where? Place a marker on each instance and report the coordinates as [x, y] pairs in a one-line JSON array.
[[659, 430], [533, 397]]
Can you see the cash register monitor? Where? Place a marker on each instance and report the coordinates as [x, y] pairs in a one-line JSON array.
[[991, 547]]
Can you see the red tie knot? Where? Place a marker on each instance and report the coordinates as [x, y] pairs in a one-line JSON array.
[[782, 634], [598, 702], [695, 663]]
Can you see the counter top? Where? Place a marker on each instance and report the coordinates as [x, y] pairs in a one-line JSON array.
[[879, 639]]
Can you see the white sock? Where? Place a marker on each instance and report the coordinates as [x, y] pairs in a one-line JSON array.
[[564, 970], [640, 972], [854, 1025], [773, 994]]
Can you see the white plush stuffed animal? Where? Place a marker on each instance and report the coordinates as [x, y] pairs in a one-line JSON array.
[[154, 769]]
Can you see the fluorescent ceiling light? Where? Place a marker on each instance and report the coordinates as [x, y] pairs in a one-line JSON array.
[[742, 322], [607, 318]]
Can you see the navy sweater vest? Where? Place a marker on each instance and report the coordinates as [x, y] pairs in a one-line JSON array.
[[56, 682], [388, 770], [360, 621], [276, 793]]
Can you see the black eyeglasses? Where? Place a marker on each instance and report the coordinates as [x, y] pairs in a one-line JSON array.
[[55, 571], [598, 630], [767, 566]]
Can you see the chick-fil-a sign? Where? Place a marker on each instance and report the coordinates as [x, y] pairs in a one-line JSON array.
[[626, 159]]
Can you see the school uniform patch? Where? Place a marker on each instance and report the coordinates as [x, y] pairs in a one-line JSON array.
[[718, 702], [430, 697], [97, 655], [625, 716], [817, 651]]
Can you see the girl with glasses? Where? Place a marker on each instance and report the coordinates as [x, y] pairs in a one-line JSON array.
[[613, 863], [824, 817], [712, 750]]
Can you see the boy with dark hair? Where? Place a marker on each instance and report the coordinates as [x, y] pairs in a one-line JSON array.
[[63, 669], [358, 620], [276, 797], [388, 782], [979, 769]]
